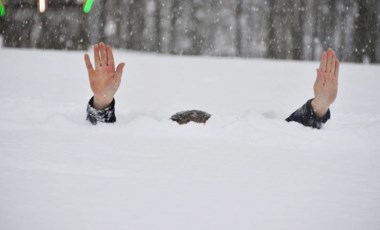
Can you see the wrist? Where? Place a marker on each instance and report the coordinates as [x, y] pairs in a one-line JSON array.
[[102, 102], [320, 108]]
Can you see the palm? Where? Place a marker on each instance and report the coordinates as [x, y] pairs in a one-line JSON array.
[[326, 91], [104, 79]]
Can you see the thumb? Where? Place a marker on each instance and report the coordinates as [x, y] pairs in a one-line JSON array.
[[88, 63], [119, 70]]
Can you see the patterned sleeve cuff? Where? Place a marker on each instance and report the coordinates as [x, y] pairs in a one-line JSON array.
[[306, 116], [106, 115]]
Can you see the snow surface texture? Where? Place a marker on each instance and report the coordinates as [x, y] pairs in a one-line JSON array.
[[245, 169]]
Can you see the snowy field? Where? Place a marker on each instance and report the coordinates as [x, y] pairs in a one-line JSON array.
[[245, 169]]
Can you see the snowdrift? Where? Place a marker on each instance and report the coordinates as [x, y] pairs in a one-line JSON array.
[[245, 169]]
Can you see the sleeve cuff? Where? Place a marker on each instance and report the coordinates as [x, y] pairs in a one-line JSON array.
[[323, 119], [106, 115], [306, 116]]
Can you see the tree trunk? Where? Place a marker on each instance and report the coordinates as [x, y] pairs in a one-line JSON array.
[[173, 26], [158, 31], [238, 36], [271, 40], [297, 31]]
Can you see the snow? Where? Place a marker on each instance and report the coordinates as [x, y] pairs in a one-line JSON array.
[[245, 169]]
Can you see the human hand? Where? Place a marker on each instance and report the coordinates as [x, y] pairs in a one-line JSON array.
[[104, 79], [326, 84]]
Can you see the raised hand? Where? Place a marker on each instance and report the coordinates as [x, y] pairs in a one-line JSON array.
[[104, 79], [326, 84]]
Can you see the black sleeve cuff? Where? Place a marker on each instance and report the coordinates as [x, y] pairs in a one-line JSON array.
[[106, 115], [306, 116]]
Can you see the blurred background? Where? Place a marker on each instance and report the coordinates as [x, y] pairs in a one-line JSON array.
[[292, 29]]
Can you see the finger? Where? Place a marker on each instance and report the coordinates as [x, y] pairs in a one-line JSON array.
[[96, 56], [333, 63], [337, 63], [88, 63], [103, 54], [329, 59], [322, 65], [321, 77], [110, 59], [330, 79], [119, 71]]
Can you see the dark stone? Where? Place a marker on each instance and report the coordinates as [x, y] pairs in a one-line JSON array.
[[190, 115]]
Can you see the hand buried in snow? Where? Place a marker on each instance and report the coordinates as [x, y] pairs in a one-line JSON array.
[[104, 79], [326, 84]]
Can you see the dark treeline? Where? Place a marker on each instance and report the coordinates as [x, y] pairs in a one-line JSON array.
[[292, 29]]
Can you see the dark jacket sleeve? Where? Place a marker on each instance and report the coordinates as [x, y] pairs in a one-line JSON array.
[[106, 115], [306, 116]]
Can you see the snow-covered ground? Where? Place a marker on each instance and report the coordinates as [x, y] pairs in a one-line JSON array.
[[245, 169]]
